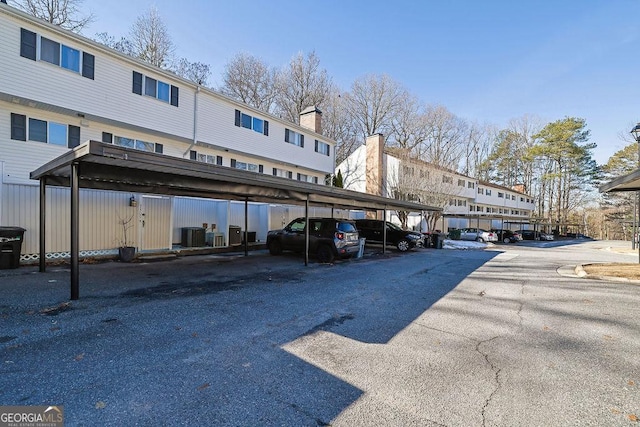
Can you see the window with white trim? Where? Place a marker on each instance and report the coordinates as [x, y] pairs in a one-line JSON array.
[[33, 47], [32, 129], [251, 122], [500, 195], [323, 148], [136, 144], [294, 138], [282, 173], [487, 192], [447, 179], [148, 86], [461, 183], [251, 167]]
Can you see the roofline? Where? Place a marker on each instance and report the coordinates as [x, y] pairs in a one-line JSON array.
[[628, 182], [19, 14]]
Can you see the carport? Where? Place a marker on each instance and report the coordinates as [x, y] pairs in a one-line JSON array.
[[629, 182], [97, 165]]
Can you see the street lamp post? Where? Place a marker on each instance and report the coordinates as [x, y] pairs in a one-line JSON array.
[[635, 132]]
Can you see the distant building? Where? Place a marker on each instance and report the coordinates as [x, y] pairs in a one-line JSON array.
[[466, 201]]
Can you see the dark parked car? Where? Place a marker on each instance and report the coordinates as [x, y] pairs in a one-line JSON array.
[[328, 238], [507, 236], [371, 229], [535, 235]]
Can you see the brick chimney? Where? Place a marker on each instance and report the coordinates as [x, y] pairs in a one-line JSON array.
[[374, 167], [311, 118]]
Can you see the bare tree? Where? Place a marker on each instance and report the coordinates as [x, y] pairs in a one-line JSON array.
[[150, 39], [300, 85], [373, 103], [408, 125], [446, 143], [338, 125], [248, 79], [123, 45], [197, 72], [64, 13]]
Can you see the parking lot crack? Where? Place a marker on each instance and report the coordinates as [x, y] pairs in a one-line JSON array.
[[496, 370]]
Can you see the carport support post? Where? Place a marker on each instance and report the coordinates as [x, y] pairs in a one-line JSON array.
[[384, 230], [75, 228], [306, 231], [246, 226], [43, 224]]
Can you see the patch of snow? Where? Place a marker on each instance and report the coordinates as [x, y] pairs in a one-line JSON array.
[[463, 244]]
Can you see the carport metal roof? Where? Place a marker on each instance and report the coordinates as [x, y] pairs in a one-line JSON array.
[[629, 182], [98, 165], [108, 167]]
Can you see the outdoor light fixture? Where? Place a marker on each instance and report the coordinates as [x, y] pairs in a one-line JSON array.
[[636, 132], [132, 201]]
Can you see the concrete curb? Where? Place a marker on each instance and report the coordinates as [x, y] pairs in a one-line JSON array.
[[580, 272]]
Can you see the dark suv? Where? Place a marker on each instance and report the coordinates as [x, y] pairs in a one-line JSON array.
[[507, 236], [328, 238], [371, 229]]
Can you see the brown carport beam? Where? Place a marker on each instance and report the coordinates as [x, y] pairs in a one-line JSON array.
[[75, 230], [43, 224]]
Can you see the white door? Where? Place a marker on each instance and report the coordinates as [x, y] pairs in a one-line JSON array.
[[155, 222]]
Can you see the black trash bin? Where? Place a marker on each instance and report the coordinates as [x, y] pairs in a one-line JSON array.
[[437, 240], [10, 246]]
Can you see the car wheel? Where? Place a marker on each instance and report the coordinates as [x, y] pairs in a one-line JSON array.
[[325, 254], [403, 245], [506, 240], [275, 247], [480, 239]]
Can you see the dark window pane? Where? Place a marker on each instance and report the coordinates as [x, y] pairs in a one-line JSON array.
[[233, 163], [266, 127], [150, 86], [238, 118], [258, 125], [159, 148], [49, 51], [18, 127], [107, 137], [174, 96], [193, 155], [88, 65], [74, 136], [27, 44], [246, 121], [37, 130], [137, 83], [219, 160]]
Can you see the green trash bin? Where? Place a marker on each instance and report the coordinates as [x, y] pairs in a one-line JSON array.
[[10, 246]]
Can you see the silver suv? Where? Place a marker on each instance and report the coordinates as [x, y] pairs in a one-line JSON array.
[[328, 238]]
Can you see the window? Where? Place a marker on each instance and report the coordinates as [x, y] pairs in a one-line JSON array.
[[43, 131], [500, 195], [307, 178], [471, 184], [487, 192], [37, 130], [137, 144], [150, 86], [322, 148], [447, 179], [522, 199], [249, 122], [480, 190], [461, 183], [251, 167], [163, 91], [282, 173], [424, 173], [209, 158], [70, 59], [57, 54], [294, 138], [154, 88], [513, 197], [49, 51]]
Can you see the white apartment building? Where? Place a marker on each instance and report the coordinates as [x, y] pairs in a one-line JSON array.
[[466, 201], [60, 89]]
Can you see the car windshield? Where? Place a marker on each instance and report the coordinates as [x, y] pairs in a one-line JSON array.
[[346, 227], [393, 226]]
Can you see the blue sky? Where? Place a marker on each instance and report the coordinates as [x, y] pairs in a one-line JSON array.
[[486, 61]]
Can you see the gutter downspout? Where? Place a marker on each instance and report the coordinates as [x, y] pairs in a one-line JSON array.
[[195, 123]]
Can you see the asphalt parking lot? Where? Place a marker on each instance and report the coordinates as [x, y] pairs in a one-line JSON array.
[[430, 337]]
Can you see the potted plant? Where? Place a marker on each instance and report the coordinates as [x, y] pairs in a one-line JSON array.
[[126, 252]]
